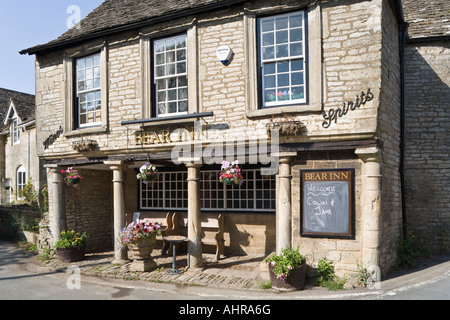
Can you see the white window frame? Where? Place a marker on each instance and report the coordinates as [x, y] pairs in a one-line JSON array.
[[15, 129], [260, 196], [171, 58], [92, 94], [281, 36], [21, 180]]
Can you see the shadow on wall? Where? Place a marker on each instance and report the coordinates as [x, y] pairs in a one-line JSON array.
[[427, 132]]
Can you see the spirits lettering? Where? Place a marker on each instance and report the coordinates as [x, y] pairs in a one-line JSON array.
[[333, 113], [52, 138]]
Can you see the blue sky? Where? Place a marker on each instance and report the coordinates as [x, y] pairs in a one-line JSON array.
[[26, 23]]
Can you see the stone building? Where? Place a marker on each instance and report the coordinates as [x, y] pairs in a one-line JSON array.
[[19, 163], [427, 132], [308, 91]]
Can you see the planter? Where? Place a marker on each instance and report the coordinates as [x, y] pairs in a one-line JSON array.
[[71, 254], [141, 254], [294, 281]]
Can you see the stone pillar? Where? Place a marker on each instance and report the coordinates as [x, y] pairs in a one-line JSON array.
[[370, 205], [194, 216], [284, 202], [59, 212], [119, 177]]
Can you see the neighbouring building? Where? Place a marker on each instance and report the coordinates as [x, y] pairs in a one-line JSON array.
[[309, 91], [19, 163]]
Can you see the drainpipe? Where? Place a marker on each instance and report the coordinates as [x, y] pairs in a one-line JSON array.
[[403, 27]]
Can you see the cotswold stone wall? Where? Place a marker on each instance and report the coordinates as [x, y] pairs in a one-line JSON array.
[[427, 149]]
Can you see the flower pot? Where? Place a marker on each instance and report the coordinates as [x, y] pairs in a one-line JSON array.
[[294, 281], [142, 249], [71, 254], [141, 254]]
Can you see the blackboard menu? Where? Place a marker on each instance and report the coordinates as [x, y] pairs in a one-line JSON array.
[[327, 203]]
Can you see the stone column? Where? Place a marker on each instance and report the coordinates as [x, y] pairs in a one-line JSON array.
[[370, 205], [194, 216], [284, 202], [59, 212], [119, 177]]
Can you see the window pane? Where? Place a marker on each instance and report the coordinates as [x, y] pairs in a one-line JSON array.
[[296, 49], [268, 39], [269, 82], [160, 59], [296, 35], [282, 51], [297, 93], [269, 68], [283, 80], [283, 66], [282, 36], [295, 21], [267, 25], [268, 53], [183, 106], [296, 65], [281, 23], [296, 78]]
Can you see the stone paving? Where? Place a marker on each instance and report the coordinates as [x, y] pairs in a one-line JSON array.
[[243, 272]]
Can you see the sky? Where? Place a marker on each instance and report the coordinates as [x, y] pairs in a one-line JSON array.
[[26, 23]]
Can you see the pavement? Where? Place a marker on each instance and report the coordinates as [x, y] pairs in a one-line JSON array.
[[236, 277]]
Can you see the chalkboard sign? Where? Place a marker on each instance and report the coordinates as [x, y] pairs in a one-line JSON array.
[[327, 203]]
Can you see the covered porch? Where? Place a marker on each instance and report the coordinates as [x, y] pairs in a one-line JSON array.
[[111, 194]]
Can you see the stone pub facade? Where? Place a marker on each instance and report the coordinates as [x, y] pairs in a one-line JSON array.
[[305, 94]]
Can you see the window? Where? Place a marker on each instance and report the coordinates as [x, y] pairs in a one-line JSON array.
[[21, 180], [88, 91], [15, 131], [170, 192], [170, 76], [281, 54]]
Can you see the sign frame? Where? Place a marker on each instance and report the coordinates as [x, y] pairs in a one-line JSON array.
[[329, 175]]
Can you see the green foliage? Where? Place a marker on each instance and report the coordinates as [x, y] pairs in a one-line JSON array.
[[70, 239], [44, 193], [409, 251], [29, 194], [326, 276], [286, 261]]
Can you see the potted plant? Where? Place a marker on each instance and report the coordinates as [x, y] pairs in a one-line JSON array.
[[71, 176], [71, 246], [287, 270], [231, 173], [140, 239], [147, 173]]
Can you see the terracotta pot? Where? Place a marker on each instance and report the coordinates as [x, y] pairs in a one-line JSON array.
[[142, 249], [71, 254], [294, 281]]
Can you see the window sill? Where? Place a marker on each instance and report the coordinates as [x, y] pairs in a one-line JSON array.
[[283, 109], [83, 131]]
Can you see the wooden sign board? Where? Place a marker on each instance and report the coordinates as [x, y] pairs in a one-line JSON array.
[[327, 203]]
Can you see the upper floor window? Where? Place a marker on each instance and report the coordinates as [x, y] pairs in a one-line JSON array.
[[88, 91], [15, 131], [281, 55], [21, 180], [170, 76]]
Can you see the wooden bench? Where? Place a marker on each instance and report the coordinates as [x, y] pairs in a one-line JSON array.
[[210, 222]]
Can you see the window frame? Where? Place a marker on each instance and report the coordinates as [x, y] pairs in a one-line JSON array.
[[314, 52], [173, 196], [70, 101], [21, 174], [15, 130], [95, 90], [155, 78], [262, 103]]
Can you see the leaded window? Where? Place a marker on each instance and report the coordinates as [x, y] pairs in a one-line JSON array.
[[169, 192]]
